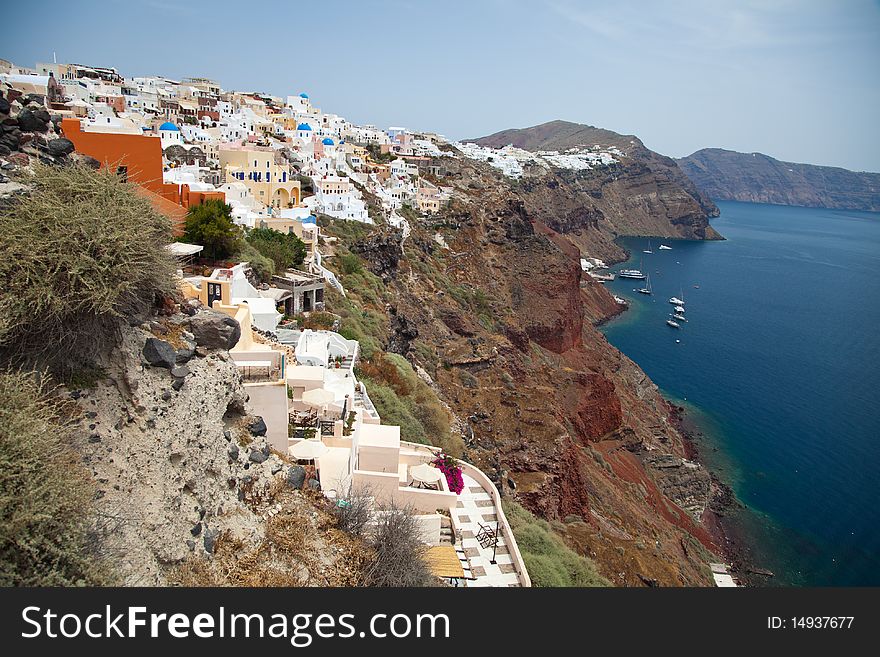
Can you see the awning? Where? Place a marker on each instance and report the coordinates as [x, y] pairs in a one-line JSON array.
[[182, 249], [443, 561]]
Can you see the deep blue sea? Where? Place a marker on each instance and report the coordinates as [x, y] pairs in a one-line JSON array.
[[779, 364]]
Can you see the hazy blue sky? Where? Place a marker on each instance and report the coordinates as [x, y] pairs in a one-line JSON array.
[[798, 80]]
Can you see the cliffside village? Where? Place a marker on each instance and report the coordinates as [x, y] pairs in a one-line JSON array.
[[184, 142]]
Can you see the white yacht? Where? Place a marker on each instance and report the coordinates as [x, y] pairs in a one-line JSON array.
[[631, 273], [663, 247], [646, 289], [679, 317], [673, 323], [648, 250], [675, 301], [679, 309]]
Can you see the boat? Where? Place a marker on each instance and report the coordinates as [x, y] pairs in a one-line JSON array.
[[663, 247], [648, 250], [646, 289], [679, 317], [620, 300], [631, 273], [675, 301], [673, 323], [679, 309]]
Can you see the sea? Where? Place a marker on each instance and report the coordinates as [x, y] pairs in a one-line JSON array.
[[778, 365]]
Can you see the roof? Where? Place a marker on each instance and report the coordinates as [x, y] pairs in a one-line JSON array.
[[303, 95], [180, 249], [328, 142], [303, 126], [311, 219], [169, 126]]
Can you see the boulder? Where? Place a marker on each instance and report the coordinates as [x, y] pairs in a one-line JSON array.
[[258, 427], [180, 372], [59, 147], [4, 106], [214, 330], [233, 452], [29, 121], [211, 539], [186, 352], [159, 353], [296, 476], [258, 456]]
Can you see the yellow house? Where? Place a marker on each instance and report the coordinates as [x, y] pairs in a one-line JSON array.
[[255, 166]]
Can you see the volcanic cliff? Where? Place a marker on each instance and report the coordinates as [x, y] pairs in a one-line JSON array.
[[488, 302], [758, 178]]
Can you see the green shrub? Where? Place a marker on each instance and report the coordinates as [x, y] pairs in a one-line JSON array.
[[46, 494], [210, 224], [285, 250], [350, 263], [548, 559], [263, 267], [403, 398], [80, 255]]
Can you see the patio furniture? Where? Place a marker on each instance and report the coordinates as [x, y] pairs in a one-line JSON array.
[[487, 536], [425, 476]]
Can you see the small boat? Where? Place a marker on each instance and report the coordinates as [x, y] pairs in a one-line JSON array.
[[673, 323], [679, 309], [620, 300], [648, 250], [631, 273], [646, 289], [679, 317], [675, 301], [663, 247]]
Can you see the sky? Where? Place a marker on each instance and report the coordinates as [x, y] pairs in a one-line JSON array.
[[796, 79]]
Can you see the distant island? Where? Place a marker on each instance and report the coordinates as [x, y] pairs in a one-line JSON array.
[[731, 176]]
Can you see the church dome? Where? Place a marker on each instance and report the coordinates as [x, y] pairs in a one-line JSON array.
[[303, 126], [169, 126], [328, 142]]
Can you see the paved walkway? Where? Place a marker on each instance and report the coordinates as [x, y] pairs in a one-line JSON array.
[[475, 506]]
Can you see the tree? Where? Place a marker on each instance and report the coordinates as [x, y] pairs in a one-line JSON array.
[[210, 224], [284, 249]]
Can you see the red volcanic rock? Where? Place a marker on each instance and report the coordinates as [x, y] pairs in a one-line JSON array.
[[595, 407]]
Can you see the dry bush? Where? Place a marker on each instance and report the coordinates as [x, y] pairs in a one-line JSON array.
[[81, 254], [353, 512], [296, 549], [399, 558], [47, 518]]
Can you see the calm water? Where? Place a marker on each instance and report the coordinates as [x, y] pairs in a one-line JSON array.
[[780, 359]]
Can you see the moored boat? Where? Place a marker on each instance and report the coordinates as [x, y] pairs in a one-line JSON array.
[[673, 323], [631, 273], [663, 247]]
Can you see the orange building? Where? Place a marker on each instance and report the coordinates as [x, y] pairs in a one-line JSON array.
[[138, 159]]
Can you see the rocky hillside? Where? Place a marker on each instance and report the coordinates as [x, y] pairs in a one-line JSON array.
[[187, 487], [488, 302], [643, 194], [757, 178]]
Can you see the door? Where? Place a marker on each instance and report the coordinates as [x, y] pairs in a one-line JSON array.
[[215, 293]]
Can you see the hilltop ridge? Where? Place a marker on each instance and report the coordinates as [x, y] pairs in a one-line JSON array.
[[641, 193], [754, 177]]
